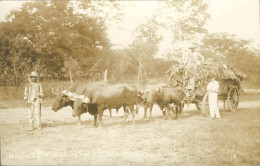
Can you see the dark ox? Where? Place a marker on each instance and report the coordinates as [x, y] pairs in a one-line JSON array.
[[167, 96], [111, 97], [62, 100], [65, 98], [82, 107], [146, 98]]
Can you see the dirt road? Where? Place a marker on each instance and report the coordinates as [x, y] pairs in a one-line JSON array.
[[193, 140]]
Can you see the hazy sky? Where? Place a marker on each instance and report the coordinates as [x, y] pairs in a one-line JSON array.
[[240, 17]]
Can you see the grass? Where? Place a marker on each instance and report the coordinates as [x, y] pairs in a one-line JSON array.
[[193, 140]]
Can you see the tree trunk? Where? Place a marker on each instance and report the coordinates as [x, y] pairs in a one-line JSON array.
[[15, 69], [71, 80], [139, 73], [105, 77]]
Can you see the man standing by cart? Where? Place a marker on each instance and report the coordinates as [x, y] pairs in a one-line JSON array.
[[33, 95], [212, 90]]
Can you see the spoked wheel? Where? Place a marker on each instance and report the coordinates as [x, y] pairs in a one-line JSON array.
[[205, 105], [233, 99]]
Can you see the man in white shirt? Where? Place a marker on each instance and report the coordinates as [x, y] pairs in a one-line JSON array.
[[33, 95], [212, 90], [194, 57]]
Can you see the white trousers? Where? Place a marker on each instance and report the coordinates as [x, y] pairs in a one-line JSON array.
[[35, 113], [213, 105]]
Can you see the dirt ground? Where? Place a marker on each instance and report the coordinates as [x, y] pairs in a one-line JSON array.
[[192, 140]]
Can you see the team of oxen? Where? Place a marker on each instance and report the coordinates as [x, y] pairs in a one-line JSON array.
[[94, 98]]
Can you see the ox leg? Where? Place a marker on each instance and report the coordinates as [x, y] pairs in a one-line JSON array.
[[181, 107], [126, 114], [178, 110], [164, 113], [100, 115], [151, 109], [133, 113], [137, 109], [169, 111], [78, 122], [110, 113], [145, 112], [95, 120]]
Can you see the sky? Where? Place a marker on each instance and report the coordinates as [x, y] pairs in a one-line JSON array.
[[240, 17]]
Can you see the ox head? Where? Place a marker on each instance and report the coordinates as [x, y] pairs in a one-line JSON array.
[[80, 105], [140, 96], [62, 99], [146, 96]]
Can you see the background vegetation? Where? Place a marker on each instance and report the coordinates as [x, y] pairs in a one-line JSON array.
[[65, 44]]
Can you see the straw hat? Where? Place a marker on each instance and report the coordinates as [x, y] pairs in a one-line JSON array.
[[33, 74]]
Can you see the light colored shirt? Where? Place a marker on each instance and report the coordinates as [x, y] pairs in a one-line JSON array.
[[213, 86], [32, 92], [193, 57]]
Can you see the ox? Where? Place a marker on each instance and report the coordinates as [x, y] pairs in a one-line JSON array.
[[147, 99], [165, 97], [66, 98], [111, 97]]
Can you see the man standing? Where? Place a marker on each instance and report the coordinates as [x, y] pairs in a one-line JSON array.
[[33, 95], [194, 59], [194, 56], [212, 90]]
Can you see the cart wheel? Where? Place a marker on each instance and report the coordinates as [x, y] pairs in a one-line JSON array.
[[233, 99], [205, 105]]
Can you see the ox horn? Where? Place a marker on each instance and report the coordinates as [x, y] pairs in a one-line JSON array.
[[85, 99]]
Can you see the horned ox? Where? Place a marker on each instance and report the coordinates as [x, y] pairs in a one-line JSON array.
[[111, 97], [66, 98], [146, 98], [165, 97]]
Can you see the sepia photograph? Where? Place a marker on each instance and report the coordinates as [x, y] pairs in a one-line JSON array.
[[130, 82]]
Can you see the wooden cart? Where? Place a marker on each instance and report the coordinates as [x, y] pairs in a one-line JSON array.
[[228, 93], [229, 85]]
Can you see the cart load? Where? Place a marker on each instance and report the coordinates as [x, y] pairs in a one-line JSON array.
[[194, 78]]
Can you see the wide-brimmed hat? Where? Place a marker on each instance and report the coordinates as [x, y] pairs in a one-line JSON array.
[[33, 74]]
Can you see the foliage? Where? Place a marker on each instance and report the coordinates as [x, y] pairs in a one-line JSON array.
[[42, 34], [72, 66], [185, 21], [145, 45], [196, 77], [236, 52]]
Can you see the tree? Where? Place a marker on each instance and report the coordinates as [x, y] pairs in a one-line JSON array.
[[54, 30], [146, 43], [185, 21], [72, 66], [15, 59], [238, 53]]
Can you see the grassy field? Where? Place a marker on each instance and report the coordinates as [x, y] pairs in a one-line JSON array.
[[193, 140]]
